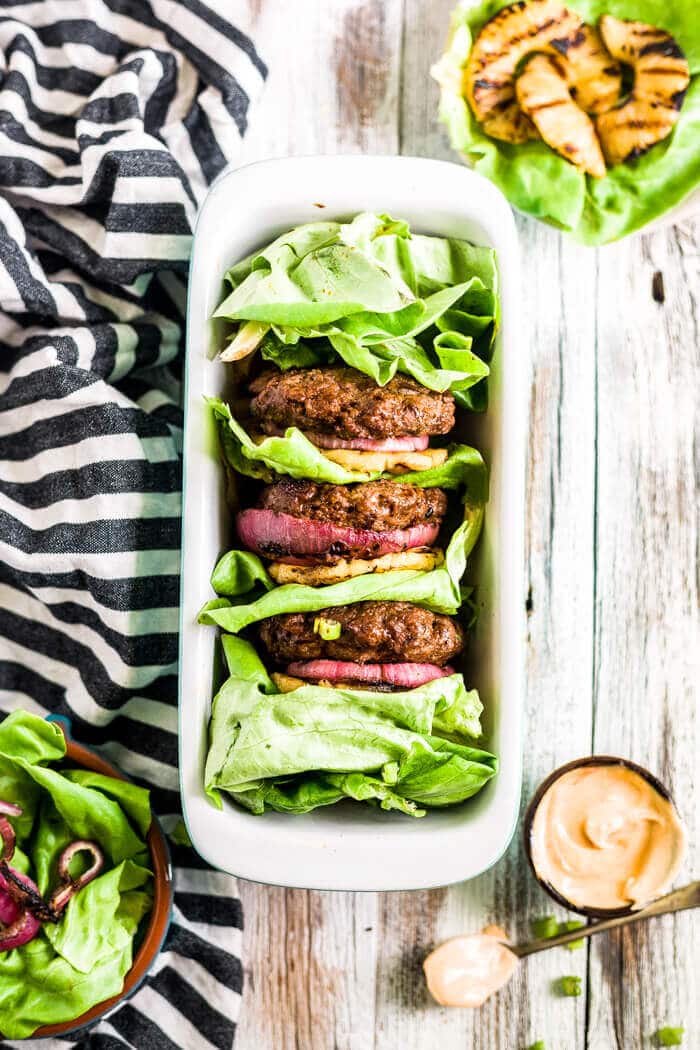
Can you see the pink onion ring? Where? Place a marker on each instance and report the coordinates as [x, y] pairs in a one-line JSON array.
[[69, 886], [9, 909], [17, 924], [22, 930], [25, 893], [10, 808], [407, 443], [397, 444], [280, 536], [407, 675]]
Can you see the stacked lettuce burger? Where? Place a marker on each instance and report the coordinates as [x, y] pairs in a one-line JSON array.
[[319, 533], [353, 345]]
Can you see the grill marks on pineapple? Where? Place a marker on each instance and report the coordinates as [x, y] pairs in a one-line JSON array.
[[594, 79], [513, 33], [581, 66], [661, 78], [544, 95]]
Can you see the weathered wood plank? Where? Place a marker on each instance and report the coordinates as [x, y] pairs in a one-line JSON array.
[[309, 970], [334, 78], [647, 631]]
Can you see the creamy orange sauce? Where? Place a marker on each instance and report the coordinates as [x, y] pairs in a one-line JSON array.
[[465, 971], [604, 837]]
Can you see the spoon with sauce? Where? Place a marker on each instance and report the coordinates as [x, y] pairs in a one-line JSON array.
[[603, 838], [465, 971]]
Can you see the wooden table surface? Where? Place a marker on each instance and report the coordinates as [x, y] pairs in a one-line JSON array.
[[612, 342]]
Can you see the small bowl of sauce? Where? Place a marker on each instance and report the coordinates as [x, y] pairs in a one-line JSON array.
[[603, 836]]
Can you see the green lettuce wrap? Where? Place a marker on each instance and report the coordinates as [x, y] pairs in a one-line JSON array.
[[247, 593], [293, 752], [295, 455], [538, 181], [373, 295], [82, 960]]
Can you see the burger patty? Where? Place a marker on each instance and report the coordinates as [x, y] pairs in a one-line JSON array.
[[371, 632], [348, 404], [377, 505]]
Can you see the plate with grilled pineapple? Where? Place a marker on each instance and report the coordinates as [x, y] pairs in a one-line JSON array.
[[585, 114]]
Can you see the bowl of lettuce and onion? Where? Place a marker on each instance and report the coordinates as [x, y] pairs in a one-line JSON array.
[[85, 885]]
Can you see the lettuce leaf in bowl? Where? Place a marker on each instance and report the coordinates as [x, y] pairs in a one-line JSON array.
[[296, 751], [374, 295], [82, 960], [538, 181]]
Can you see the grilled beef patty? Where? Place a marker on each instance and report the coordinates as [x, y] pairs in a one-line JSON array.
[[347, 404], [371, 632], [379, 505]]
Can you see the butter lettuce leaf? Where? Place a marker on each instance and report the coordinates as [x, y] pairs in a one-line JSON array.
[[38, 986], [80, 940], [442, 773], [374, 295], [305, 793], [538, 181], [295, 751]]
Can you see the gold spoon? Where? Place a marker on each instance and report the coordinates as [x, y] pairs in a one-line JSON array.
[[679, 900]]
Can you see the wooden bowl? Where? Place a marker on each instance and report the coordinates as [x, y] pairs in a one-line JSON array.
[[590, 760], [159, 918]]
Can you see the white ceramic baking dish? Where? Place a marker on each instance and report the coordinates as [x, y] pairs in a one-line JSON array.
[[352, 847]]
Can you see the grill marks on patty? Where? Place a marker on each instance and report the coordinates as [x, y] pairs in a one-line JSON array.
[[348, 404], [371, 632], [376, 505]]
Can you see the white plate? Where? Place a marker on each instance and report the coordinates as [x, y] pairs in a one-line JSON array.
[[352, 847]]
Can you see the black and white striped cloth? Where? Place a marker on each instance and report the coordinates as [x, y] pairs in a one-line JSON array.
[[115, 115]]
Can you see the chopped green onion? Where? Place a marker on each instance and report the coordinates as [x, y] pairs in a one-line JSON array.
[[547, 926], [539, 1045], [569, 985], [544, 927], [328, 629], [669, 1036], [566, 927]]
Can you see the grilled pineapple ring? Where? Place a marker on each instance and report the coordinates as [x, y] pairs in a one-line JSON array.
[[594, 78], [544, 95], [348, 568], [386, 462], [661, 78], [522, 29]]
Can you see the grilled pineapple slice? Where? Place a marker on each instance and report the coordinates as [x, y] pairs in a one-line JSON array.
[[661, 78], [287, 683], [509, 124], [489, 81], [347, 568], [594, 77], [544, 96], [390, 462]]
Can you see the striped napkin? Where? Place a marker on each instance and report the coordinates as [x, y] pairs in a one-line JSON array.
[[115, 115]]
